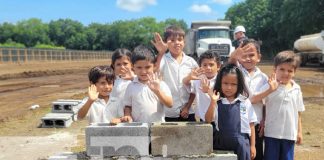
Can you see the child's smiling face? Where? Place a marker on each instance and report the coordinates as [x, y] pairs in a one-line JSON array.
[[176, 44], [104, 87], [250, 59], [210, 67]]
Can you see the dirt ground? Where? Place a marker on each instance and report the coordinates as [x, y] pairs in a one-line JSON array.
[[23, 85]]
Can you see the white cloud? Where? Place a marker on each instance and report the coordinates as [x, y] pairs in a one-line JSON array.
[[203, 8], [224, 2], [134, 5]]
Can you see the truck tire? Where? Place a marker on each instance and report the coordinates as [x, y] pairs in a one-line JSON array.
[[303, 59]]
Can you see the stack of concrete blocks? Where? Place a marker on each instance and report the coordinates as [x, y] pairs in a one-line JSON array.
[[123, 139], [169, 140], [64, 112]]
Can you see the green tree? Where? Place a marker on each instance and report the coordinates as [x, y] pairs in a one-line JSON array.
[[30, 32]]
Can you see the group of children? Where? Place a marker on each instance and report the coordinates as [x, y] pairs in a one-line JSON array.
[[238, 99]]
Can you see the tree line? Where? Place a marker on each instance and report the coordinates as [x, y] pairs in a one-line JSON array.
[[71, 34], [278, 23]]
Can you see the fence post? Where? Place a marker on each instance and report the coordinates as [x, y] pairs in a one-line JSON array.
[[1, 55], [10, 55]]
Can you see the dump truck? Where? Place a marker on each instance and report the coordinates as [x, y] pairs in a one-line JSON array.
[[310, 48], [204, 35]]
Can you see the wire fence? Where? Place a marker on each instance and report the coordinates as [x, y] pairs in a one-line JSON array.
[[23, 55]]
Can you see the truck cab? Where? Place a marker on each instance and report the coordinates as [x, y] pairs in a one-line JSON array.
[[205, 35]]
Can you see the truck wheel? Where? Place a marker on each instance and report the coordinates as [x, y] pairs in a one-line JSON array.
[[303, 60]]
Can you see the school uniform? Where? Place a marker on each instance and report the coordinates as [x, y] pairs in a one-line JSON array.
[[118, 91], [102, 111], [254, 83], [146, 106], [233, 126], [173, 73], [281, 124], [202, 99]]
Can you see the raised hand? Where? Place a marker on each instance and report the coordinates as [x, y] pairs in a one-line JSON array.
[[273, 83], [213, 95], [204, 84], [159, 44], [126, 73], [195, 73], [92, 92], [153, 82]]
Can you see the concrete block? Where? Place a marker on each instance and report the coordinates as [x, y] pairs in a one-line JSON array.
[[123, 139], [65, 106], [181, 138], [57, 120]]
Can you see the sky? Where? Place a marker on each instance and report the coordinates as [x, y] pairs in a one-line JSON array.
[[108, 11]]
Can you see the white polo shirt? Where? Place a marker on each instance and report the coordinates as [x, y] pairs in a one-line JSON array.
[[202, 99], [118, 91], [173, 73], [146, 106], [254, 83], [119, 87], [246, 110], [282, 110], [102, 112]]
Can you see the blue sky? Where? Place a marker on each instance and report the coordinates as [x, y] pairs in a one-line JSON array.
[[108, 11]]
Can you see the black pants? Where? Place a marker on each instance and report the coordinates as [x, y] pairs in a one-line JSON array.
[[258, 144], [191, 118]]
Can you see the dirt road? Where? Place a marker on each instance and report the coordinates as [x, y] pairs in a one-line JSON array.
[[22, 85]]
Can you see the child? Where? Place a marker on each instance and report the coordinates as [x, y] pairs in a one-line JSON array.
[[247, 56], [173, 67], [146, 96], [233, 114], [209, 63], [121, 63], [284, 103], [97, 106]]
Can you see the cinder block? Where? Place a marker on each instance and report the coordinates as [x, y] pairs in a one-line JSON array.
[[123, 139], [181, 138], [57, 120], [65, 106]]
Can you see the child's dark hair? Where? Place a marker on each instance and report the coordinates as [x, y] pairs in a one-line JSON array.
[[118, 53], [254, 42], [210, 54], [231, 69], [97, 72], [173, 31], [142, 52], [287, 57]]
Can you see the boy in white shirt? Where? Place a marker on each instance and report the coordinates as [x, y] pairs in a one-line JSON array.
[[173, 67], [147, 96], [98, 107], [209, 63], [246, 57], [284, 103]]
